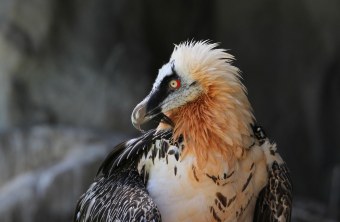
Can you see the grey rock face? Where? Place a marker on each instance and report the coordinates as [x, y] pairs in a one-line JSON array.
[[72, 64], [45, 170]]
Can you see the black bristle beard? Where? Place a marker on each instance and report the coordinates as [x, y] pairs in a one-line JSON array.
[[162, 118]]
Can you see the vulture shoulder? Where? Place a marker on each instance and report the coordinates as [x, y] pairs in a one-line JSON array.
[[119, 192]]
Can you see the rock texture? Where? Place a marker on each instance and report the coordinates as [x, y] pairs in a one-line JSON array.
[[73, 63], [44, 171]]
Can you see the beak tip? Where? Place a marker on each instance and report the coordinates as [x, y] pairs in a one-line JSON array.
[[138, 116], [137, 126]]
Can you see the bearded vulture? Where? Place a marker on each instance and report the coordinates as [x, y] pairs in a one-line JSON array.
[[207, 160]]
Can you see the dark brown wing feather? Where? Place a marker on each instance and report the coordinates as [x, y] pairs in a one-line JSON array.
[[119, 191], [120, 197], [274, 203]]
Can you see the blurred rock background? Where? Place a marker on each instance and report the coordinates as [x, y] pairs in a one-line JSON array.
[[71, 72]]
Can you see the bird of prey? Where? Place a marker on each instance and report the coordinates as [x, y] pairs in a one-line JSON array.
[[207, 160]]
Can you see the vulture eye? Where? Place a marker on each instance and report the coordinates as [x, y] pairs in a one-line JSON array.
[[175, 84]]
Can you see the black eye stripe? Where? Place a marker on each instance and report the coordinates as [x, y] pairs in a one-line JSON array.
[[160, 93], [167, 79]]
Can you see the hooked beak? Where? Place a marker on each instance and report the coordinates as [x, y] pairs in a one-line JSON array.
[[138, 115], [141, 115]]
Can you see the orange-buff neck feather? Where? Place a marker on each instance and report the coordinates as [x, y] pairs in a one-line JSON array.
[[215, 124]]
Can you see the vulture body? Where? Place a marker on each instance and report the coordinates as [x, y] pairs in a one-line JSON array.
[[206, 161]]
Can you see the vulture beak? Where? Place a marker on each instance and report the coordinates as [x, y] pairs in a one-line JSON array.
[[146, 111], [139, 116]]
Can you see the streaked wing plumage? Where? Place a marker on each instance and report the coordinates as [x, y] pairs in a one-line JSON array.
[[274, 203], [119, 192], [120, 197]]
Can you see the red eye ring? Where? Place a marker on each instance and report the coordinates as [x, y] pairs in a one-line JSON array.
[[175, 84]]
